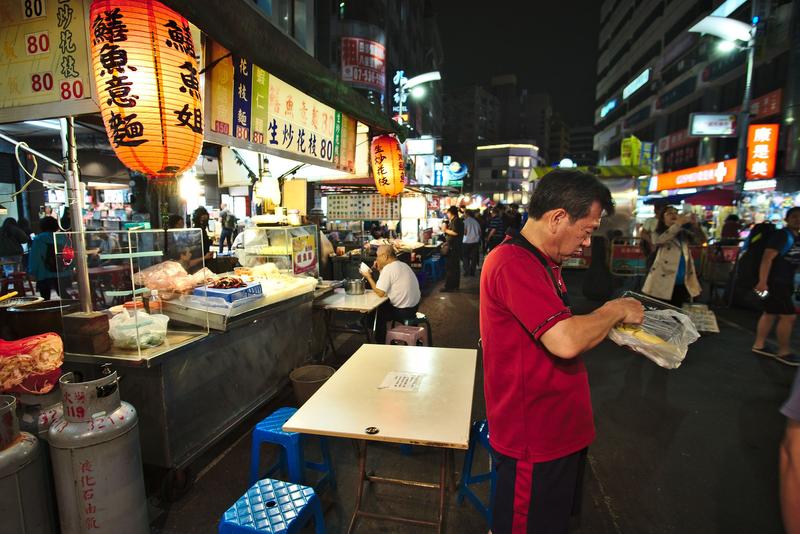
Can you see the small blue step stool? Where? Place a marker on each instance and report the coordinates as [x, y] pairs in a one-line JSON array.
[[273, 506], [432, 268], [269, 430], [479, 435]]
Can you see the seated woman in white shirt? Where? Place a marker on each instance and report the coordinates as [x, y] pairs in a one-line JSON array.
[[398, 282]]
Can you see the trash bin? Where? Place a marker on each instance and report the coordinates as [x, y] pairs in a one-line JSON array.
[[308, 379]]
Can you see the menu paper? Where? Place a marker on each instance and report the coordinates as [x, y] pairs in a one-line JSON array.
[[400, 381]]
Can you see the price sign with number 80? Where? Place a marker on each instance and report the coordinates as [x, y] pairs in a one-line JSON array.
[[32, 9]]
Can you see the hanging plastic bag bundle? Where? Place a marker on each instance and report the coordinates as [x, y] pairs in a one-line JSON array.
[[664, 337]]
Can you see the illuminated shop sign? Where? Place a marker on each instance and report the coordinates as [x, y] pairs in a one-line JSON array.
[[636, 84], [608, 107]]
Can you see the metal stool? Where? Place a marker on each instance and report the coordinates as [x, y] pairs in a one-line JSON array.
[[479, 435], [291, 460], [273, 506], [407, 335]]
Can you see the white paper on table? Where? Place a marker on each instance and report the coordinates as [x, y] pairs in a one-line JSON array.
[[400, 381]]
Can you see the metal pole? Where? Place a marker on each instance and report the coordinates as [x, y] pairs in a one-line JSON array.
[[75, 199], [744, 120]]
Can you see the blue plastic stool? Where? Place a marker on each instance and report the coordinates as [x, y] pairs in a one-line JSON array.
[[420, 278], [479, 435], [269, 430], [431, 268], [273, 506]]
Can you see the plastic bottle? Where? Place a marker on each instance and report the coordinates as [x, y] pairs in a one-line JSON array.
[[154, 302]]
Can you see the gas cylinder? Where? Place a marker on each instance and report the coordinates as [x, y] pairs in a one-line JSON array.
[[38, 412], [97, 461], [25, 502]]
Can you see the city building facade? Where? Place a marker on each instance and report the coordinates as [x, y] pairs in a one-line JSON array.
[[652, 74], [503, 171]]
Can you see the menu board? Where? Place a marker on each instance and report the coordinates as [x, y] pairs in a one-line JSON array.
[[363, 207], [44, 59]]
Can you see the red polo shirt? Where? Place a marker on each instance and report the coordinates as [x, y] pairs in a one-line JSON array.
[[538, 405]]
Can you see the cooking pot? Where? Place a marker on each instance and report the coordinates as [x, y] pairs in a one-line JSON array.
[[354, 286]]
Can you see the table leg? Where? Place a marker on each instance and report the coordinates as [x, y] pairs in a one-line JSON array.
[[361, 447], [442, 490], [442, 486], [328, 334], [369, 334]]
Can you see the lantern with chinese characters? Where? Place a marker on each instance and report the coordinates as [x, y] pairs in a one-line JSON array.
[[145, 70], [388, 168]]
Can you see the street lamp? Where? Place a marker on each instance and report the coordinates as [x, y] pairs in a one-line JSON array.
[[731, 31], [404, 85]]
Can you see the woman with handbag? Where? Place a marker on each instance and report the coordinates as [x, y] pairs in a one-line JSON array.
[[454, 233], [672, 277]]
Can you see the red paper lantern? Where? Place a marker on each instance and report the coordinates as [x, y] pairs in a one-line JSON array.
[[147, 80], [388, 167]]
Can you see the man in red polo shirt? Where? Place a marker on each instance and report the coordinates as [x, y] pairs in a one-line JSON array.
[[537, 391]]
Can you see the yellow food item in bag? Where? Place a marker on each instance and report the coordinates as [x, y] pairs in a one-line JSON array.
[[639, 333]]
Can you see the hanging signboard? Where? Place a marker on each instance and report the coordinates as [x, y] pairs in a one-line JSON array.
[[712, 124], [630, 151], [762, 146], [364, 63], [253, 109], [44, 60]]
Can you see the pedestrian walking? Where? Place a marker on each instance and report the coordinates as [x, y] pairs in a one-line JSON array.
[[672, 277], [470, 243], [537, 393], [227, 221], [454, 233], [790, 461], [776, 280], [43, 261], [497, 228]]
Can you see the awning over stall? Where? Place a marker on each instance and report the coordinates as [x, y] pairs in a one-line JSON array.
[[603, 171]]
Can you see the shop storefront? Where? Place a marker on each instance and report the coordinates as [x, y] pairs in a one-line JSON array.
[[187, 346]]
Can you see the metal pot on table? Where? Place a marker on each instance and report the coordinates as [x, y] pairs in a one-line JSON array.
[[354, 286]]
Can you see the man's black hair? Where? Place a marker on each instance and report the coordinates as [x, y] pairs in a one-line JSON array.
[[574, 191], [453, 210], [790, 211], [48, 224]]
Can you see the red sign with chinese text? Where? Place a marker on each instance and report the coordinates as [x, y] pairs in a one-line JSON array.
[[762, 146], [364, 63]]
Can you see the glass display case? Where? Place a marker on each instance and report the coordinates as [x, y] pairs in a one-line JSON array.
[[292, 249], [133, 275]]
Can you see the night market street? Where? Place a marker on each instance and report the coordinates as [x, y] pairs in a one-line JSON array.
[[677, 451]]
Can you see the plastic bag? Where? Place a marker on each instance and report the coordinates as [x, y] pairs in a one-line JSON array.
[[142, 330], [664, 337]]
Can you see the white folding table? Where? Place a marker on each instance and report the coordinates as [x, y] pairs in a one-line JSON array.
[[364, 305], [353, 404]]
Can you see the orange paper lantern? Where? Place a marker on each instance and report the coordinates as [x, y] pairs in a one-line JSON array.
[[145, 70], [388, 167]]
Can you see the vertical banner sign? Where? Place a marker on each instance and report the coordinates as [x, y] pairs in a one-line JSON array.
[[258, 105], [242, 89], [221, 82], [337, 140], [44, 58], [347, 151], [762, 145]]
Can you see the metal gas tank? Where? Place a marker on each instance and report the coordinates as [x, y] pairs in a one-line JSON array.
[[26, 505], [97, 462]]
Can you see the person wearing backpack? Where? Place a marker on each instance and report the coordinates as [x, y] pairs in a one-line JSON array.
[[43, 264], [776, 271]]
